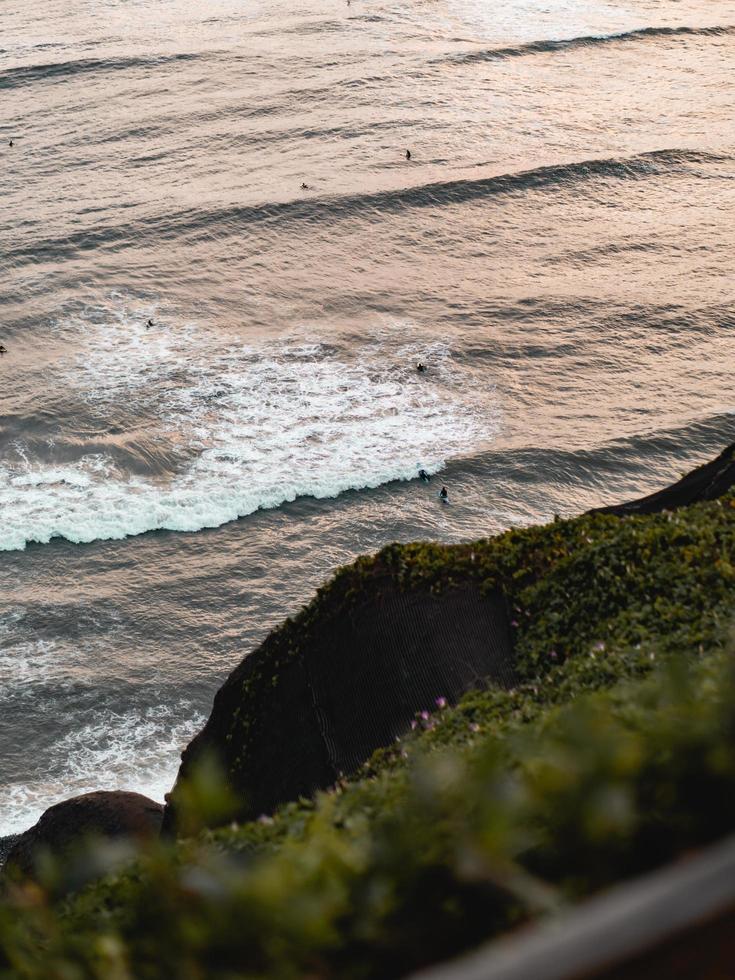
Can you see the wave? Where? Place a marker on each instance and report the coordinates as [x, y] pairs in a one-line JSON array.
[[642, 457], [586, 41], [528, 484], [442, 193], [109, 750], [262, 425], [194, 223], [134, 451], [66, 70]]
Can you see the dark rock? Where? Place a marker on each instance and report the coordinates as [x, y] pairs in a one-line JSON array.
[[707, 482], [287, 723], [101, 815]]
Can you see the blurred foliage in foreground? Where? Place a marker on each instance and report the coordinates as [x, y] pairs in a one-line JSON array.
[[615, 755]]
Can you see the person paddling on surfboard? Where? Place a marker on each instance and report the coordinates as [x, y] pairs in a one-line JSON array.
[[408, 154], [444, 495], [424, 476], [421, 368]]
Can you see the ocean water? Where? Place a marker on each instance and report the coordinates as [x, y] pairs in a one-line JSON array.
[[559, 251]]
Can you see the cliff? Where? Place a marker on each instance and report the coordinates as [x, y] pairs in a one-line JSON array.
[[320, 695], [593, 745], [387, 638]]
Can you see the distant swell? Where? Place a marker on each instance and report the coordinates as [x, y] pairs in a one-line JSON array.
[[589, 41], [599, 466], [65, 70], [195, 222]]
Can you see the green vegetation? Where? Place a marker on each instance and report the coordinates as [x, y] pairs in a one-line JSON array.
[[614, 754]]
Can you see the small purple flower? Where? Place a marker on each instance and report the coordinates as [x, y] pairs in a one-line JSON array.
[[414, 723], [425, 715], [474, 727], [514, 623], [599, 646], [441, 702], [554, 655]]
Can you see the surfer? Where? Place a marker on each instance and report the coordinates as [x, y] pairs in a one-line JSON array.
[[443, 495], [408, 154], [11, 144], [3, 349], [304, 187], [421, 368], [423, 475], [149, 324]]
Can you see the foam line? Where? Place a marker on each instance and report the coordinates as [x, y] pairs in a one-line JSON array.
[[255, 426]]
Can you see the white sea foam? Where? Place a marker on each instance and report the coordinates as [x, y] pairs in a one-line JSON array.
[[136, 749], [257, 425], [30, 663], [96, 745], [27, 663]]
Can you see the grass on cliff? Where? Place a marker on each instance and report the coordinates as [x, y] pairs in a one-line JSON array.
[[593, 582], [614, 755]]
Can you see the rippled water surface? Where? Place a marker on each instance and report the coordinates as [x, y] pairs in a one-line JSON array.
[[559, 250]]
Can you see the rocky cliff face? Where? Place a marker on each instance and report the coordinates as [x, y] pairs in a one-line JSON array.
[[322, 694]]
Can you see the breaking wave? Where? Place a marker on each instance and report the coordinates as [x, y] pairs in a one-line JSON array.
[[111, 750], [253, 426]]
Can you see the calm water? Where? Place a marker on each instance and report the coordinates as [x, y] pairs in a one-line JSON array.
[[560, 251]]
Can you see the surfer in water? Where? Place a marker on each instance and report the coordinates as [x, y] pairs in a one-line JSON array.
[[444, 495], [11, 144], [4, 350], [424, 476], [149, 324], [408, 154], [304, 187], [421, 368]]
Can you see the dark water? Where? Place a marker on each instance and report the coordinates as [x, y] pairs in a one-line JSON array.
[[559, 251]]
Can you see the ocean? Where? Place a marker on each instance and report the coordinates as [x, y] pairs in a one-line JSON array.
[[559, 251]]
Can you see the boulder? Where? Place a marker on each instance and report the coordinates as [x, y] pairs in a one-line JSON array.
[[100, 815], [321, 694], [707, 482]]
